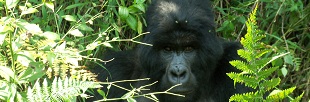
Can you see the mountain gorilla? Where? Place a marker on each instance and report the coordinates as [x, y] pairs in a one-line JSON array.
[[185, 51]]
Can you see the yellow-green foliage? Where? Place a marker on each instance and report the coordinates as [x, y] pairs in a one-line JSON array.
[[254, 71]]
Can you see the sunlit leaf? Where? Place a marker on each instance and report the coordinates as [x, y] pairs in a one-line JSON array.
[[69, 18], [84, 27], [76, 33], [50, 5], [11, 3], [29, 11], [107, 44]]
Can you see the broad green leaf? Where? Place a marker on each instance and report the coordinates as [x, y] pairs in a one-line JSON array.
[[84, 27], [25, 74], [107, 44], [289, 59], [50, 5], [69, 18], [76, 5], [2, 37], [29, 11], [51, 35], [284, 71], [92, 46], [6, 73], [132, 22], [39, 73], [76, 32], [123, 12], [24, 57], [11, 3], [141, 7], [61, 47], [31, 28]]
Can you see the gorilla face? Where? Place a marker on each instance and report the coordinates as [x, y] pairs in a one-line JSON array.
[[177, 55]]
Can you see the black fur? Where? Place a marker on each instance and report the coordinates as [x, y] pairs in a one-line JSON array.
[[182, 33]]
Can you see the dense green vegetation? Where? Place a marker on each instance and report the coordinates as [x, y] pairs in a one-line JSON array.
[[46, 47]]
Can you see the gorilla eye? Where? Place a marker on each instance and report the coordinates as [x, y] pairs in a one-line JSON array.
[[167, 48], [188, 49]]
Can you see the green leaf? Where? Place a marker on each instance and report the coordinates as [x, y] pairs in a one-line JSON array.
[[76, 32], [2, 37], [29, 11], [132, 22], [140, 27], [141, 7], [107, 44], [31, 28], [102, 93], [289, 59], [49, 5], [6, 73], [61, 47], [11, 3], [92, 46], [76, 5], [50, 35], [69, 18], [24, 57], [84, 27], [284, 71], [139, 1], [123, 12], [130, 99]]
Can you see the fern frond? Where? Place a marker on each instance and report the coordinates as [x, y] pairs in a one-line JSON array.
[[277, 95], [270, 84], [248, 80], [261, 53], [245, 97], [265, 73], [298, 98], [60, 90], [241, 66], [248, 56]]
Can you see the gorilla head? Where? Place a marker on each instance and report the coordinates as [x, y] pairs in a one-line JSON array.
[[185, 47]]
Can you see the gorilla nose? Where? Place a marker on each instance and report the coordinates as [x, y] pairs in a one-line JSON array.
[[178, 74]]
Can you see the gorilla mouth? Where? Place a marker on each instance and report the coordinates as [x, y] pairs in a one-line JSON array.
[[182, 91]]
